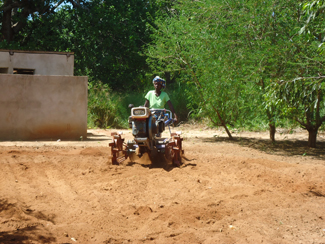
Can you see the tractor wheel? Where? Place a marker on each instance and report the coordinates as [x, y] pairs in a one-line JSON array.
[[152, 155]]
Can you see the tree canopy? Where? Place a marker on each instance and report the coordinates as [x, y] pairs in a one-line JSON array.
[[244, 54], [16, 14], [107, 37]]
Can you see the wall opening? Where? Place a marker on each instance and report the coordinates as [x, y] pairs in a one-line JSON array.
[[23, 71], [3, 70]]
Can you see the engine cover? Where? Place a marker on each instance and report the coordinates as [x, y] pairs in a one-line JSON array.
[[139, 128], [152, 127]]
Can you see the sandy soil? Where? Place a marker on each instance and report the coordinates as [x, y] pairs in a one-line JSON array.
[[247, 190]]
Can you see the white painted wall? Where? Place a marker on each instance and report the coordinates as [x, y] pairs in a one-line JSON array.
[[44, 63], [34, 107]]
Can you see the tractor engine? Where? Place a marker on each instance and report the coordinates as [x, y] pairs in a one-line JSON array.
[[146, 123]]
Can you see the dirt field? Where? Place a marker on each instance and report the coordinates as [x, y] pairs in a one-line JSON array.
[[241, 191]]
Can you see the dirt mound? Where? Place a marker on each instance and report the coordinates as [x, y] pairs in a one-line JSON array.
[[242, 191]]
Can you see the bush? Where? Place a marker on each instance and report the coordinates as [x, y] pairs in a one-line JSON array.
[[104, 107], [177, 95]]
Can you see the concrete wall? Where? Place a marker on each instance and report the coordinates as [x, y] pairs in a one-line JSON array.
[[43, 63], [43, 107]]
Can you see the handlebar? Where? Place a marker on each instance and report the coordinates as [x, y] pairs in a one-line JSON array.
[[156, 110]]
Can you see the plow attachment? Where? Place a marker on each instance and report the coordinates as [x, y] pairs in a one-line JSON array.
[[174, 150], [120, 150]]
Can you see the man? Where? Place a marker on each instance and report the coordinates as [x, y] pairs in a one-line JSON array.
[[158, 98]]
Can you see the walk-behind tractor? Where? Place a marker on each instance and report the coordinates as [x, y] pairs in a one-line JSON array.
[[147, 126]]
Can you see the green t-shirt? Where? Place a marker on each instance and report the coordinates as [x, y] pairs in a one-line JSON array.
[[157, 102]]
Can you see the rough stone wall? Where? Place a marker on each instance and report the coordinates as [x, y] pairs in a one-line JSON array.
[[43, 107]]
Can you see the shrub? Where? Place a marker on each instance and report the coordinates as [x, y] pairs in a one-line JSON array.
[[104, 109]]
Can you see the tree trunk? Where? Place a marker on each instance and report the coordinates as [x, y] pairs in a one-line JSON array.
[[272, 132], [7, 32], [228, 132], [223, 123], [312, 137], [167, 76], [271, 117]]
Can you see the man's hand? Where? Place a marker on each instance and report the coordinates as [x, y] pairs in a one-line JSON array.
[[175, 119]]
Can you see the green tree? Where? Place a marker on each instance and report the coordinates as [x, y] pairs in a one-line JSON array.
[[314, 26], [233, 49], [303, 100], [189, 40], [300, 95], [15, 14], [229, 49], [108, 41], [107, 38]]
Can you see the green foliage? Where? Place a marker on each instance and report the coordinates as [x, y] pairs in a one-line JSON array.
[[17, 15], [177, 95], [301, 99], [50, 32], [104, 107], [107, 38], [208, 43], [314, 26], [298, 93], [235, 52], [175, 48]]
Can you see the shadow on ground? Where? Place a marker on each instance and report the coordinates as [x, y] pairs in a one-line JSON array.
[[96, 137], [159, 161], [31, 232], [283, 148], [25, 235]]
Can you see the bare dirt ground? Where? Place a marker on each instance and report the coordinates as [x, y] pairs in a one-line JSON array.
[[247, 190]]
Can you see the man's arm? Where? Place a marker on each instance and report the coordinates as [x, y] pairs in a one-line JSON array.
[[147, 103], [172, 109]]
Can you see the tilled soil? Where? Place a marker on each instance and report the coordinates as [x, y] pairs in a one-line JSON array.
[[245, 190]]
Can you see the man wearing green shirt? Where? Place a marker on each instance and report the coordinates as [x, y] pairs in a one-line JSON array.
[[157, 98]]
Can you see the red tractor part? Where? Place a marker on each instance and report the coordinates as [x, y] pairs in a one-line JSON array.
[[176, 149], [118, 149]]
